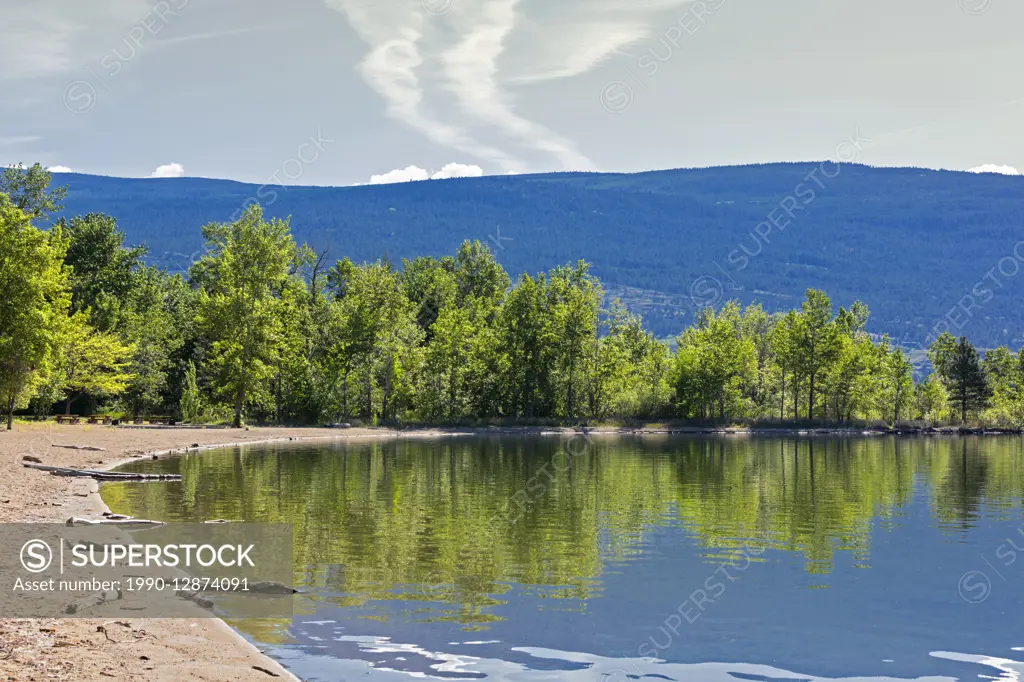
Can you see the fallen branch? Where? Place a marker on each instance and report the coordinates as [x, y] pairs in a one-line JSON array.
[[264, 670], [122, 523], [103, 475], [79, 447]]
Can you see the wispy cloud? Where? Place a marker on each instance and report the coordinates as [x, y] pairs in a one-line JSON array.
[[39, 40], [468, 45], [471, 71], [18, 140], [212, 35], [394, 31]]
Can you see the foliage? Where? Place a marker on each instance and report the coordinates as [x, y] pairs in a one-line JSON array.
[[264, 329], [191, 401], [29, 190], [960, 370], [243, 276], [90, 361], [33, 303]]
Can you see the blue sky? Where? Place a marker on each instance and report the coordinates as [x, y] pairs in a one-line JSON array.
[[337, 92]]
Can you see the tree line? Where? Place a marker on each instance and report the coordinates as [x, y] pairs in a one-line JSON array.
[[262, 329]]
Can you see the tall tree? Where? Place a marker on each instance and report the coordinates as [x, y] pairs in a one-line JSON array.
[[242, 274], [1003, 372], [105, 272], [148, 322], [817, 341], [899, 381], [34, 299], [577, 299], [963, 376]]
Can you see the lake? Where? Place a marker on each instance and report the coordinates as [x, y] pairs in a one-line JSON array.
[[626, 558]]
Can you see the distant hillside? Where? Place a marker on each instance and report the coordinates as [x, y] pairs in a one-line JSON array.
[[911, 243]]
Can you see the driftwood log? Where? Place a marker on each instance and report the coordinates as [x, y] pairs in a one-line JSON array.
[[120, 523], [103, 475], [80, 447]]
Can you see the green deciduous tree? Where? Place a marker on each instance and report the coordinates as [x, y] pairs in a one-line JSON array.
[[28, 188], [816, 339], [104, 272], [90, 361], [33, 302], [242, 275]]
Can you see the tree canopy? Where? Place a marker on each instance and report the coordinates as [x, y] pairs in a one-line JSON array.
[[262, 329]]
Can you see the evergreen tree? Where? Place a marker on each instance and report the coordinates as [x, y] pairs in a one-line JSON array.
[[964, 378]]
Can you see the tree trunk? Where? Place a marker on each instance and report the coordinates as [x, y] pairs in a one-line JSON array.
[[451, 389], [572, 363], [782, 409], [67, 405], [387, 389], [963, 403], [10, 413], [810, 398], [344, 396], [239, 400]]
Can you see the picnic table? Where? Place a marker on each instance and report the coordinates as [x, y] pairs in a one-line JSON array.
[[68, 419], [99, 419]]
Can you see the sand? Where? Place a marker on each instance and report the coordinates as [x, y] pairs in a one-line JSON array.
[[133, 649]]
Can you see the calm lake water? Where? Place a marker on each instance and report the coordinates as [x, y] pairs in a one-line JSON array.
[[615, 558]]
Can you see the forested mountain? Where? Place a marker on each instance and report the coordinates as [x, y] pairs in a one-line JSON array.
[[920, 245]]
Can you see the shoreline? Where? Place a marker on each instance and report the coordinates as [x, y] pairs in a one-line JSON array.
[[210, 649], [142, 649]]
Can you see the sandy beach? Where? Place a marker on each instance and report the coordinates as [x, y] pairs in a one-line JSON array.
[[138, 649]]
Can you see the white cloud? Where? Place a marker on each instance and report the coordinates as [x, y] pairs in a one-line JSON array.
[[993, 168], [458, 170], [169, 170], [60, 169], [407, 174], [415, 173]]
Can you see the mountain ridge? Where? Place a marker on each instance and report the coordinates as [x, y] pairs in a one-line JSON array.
[[912, 243]]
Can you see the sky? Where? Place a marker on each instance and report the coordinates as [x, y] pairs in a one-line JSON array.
[[342, 92]]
